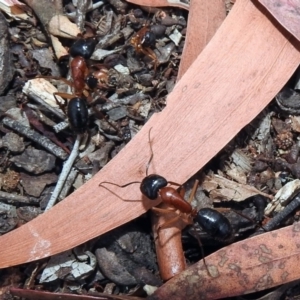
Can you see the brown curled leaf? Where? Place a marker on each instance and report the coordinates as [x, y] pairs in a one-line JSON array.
[[252, 265], [200, 30], [168, 245]]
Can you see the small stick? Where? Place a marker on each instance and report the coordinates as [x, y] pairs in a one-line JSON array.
[[36, 137], [64, 173], [72, 15], [282, 215], [14, 198], [82, 7], [68, 184]]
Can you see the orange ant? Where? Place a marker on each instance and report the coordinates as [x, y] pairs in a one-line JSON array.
[[82, 82], [154, 186], [142, 41]]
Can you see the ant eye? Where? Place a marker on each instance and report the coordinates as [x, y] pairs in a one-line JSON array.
[[151, 185]]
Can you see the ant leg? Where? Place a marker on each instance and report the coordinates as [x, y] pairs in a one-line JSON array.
[[66, 81], [249, 219], [202, 252], [193, 191], [174, 183], [171, 221], [65, 97], [150, 53]]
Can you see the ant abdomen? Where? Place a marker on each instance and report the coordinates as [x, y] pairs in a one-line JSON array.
[[78, 114], [215, 224], [151, 185]]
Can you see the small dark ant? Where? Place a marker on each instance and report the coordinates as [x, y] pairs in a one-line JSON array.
[[142, 41], [83, 81], [154, 186], [77, 107]]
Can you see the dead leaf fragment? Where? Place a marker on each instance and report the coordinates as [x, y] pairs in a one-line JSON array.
[[223, 189], [295, 123], [61, 26], [68, 266], [14, 9], [255, 264], [202, 105], [281, 197]]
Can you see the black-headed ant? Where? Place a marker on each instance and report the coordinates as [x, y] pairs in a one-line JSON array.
[[82, 82], [142, 41], [154, 186]]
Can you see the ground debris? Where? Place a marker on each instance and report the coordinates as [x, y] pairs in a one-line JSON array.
[[35, 161], [34, 185], [222, 189], [13, 142], [70, 266]]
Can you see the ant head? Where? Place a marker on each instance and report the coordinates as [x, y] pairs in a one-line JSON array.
[[151, 184], [83, 47], [149, 38]]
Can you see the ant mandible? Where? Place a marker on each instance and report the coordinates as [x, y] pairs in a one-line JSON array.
[[142, 41], [154, 186]]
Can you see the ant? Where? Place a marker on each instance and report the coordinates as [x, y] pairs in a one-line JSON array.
[[82, 82], [81, 50], [154, 186], [142, 41]]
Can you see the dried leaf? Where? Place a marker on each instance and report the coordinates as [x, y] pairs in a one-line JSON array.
[[68, 265], [252, 265], [220, 188], [281, 197], [14, 9]]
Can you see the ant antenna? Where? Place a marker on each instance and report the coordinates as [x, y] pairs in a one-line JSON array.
[[151, 150]]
